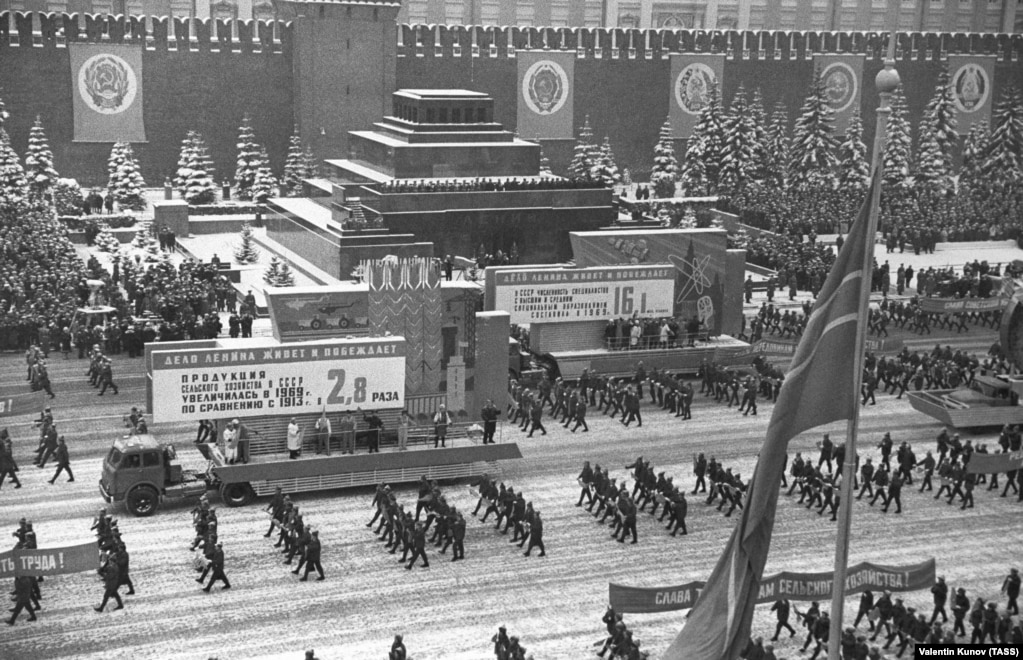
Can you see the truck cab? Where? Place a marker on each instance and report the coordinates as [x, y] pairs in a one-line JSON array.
[[140, 471]]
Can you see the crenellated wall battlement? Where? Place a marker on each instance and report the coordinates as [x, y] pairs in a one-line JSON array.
[[56, 30], [620, 43], [207, 35]]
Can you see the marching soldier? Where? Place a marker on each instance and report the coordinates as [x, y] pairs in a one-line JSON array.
[[22, 599], [585, 480], [111, 582], [418, 547], [536, 535], [217, 563], [312, 557], [679, 509], [63, 461]]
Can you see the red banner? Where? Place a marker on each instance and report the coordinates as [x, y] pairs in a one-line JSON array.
[[691, 79], [794, 586], [106, 83], [994, 463], [546, 79], [50, 561], [953, 305]]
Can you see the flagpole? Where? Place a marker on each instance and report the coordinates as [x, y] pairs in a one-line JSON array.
[[886, 82]]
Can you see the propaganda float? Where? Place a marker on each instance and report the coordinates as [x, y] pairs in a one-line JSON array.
[[406, 356]]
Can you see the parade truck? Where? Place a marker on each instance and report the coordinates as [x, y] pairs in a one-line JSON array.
[[142, 472], [264, 385]]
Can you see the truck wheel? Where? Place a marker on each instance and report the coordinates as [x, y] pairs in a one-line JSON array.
[[316, 324], [142, 501], [344, 322], [238, 494]]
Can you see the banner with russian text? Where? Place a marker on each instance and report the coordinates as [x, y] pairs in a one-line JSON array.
[[952, 305], [691, 79], [972, 80], [994, 463], [843, 77], [50, 561], [545, 82], [792, 585], [106, 80]]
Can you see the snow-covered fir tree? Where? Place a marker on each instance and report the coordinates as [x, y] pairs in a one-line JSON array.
[[105, 240], [1003, 157], [940, 115], [605, 169], [776, 139], [248, 160], [812, 155], [854, 168], [310, 164], [265, 184], [67, 197], [273, 271], [932, 169], [246, 251], [294, 167], [665, 170], [898, 142], [975, 145], [701, 165], [583, 161], [13, 185], [125, 181], [194, 183], [286, 276], [39, 163], [758, 119], [740, 145]]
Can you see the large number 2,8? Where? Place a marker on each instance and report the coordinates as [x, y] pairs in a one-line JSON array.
[[338, 375]]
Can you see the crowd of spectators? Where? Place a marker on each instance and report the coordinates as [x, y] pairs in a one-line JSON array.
[[913, 216], [800, 265], [484, 185], [40, 276]]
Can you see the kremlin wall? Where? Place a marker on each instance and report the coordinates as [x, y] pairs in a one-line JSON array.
[[333, 68]]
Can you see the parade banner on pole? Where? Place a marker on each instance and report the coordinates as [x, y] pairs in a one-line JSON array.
[[972, 83], [794, 586], [50, 561], [21, 404], [952, 305], [842, 76], [545, 83], [691, 80], [994, 463], [106, 80]]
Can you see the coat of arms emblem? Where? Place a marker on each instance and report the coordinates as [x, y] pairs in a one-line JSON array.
[[107, 84], [970, 87], [545, 87], [692, 87], [839, 85]]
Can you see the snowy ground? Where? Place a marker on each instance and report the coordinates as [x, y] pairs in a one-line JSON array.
[[449, 611]]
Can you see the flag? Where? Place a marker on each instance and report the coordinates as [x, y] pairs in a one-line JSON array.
[[973, 79], [691, 78], [842, 75], [818, 389], [546, 80], [106, 83]]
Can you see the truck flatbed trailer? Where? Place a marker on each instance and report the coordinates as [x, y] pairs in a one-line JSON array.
[[966, 408], [318, 472], [719, 350]]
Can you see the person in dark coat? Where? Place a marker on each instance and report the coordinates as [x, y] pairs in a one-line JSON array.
[[312, 557], [397, 651], [22, 598], [458, 534], [123, 563], [63, 461], [536, 536], [217, 563], [111, 581], [418, 546], [781, 608]]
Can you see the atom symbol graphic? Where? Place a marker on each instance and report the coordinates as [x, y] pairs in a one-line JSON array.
[[697, 279]]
